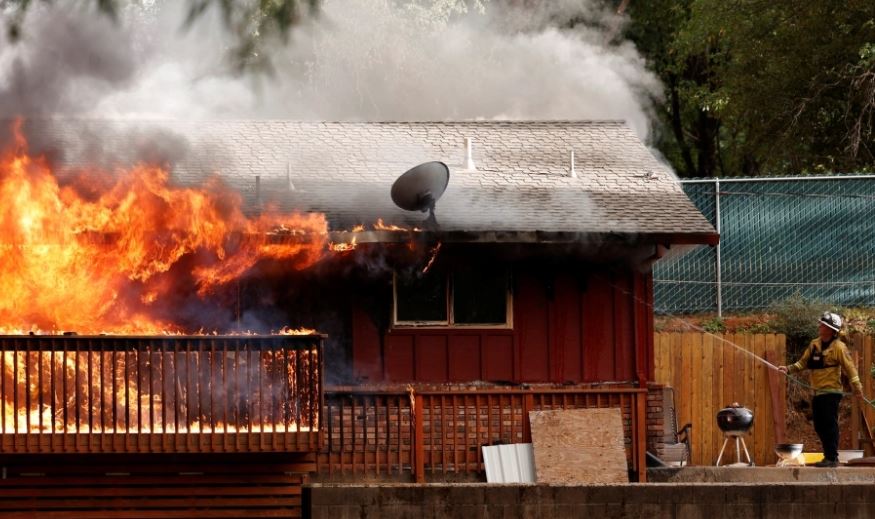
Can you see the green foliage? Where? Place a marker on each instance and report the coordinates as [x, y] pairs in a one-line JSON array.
[[856, 319], [254, 25], [15, 10], [797, 318], [715, 325], [763, 86], [755, 328]]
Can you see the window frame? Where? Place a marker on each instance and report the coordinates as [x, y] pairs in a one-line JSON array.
[[450, 322]]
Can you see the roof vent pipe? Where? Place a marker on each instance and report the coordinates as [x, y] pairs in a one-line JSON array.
[[290, 185], [258, 191], [573, 172], [469, 155]]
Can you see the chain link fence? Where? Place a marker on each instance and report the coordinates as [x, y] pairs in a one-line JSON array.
[[778, 236]]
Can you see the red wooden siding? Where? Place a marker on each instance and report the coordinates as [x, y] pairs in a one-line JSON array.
[[464, 358], [367, 355], [566, 330], [398, 356], [569, 325], [432, 361], [498, 357], [531, 326], [598, 319], [155, 485]]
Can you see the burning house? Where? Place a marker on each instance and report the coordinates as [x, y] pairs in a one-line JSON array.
[[528, 288]]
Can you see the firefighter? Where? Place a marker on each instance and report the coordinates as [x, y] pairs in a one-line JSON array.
[[827, 357]]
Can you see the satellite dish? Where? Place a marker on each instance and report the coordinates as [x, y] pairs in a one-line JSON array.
[[420, 188]]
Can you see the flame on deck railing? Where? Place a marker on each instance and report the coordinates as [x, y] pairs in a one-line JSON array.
[[159, 385]]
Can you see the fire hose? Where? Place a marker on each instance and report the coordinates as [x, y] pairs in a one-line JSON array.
[[806, 385]]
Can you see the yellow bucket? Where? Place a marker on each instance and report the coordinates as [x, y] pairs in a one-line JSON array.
[[812, 457]]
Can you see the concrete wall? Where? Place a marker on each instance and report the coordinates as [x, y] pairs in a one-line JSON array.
[[660, 500]]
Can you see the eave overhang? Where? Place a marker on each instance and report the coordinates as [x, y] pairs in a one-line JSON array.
[[527, 237]]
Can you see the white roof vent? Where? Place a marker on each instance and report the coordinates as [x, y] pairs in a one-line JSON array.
[[572, 172], [469, 155], [290, 185]]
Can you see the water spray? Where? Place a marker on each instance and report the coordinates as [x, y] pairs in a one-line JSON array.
[[795, 380]]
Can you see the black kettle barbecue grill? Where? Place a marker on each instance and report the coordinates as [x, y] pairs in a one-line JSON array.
[[735, 421]]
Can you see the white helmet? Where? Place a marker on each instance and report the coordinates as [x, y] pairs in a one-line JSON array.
[[831, 320]]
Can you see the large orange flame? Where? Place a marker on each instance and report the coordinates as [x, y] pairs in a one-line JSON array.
[[101, 253]]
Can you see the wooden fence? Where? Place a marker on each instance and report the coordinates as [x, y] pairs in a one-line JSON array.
[[863, 346], [708, 372]]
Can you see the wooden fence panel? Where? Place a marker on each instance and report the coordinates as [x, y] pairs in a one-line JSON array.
[[707, 405], [864, 355], [865, 366], [684, 405], [710, 372], [761, 401]]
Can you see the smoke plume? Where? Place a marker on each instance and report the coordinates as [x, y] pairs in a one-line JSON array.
[[368, 60], [358, 60]]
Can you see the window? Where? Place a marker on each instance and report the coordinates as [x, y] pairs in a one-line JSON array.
[[421, 299], [467, 297]]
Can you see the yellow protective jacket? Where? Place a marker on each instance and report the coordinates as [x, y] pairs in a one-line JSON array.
[[836, 358]]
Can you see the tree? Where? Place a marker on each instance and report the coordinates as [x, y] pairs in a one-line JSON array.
[[763, 86], [798, 81], [253, 23], [690, 125]]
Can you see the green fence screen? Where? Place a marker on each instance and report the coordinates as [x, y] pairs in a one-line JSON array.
[[811, 235]]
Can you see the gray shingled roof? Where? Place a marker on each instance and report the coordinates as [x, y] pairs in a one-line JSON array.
[[521, 183]]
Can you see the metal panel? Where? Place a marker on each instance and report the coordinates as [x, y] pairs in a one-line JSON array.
[[513, 463]]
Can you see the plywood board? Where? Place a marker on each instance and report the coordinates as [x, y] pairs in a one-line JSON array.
[[579, 446]]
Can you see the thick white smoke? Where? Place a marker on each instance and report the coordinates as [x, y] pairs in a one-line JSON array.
[[358, 60]]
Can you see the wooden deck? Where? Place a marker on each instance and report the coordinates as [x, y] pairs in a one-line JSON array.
[[160, 394]]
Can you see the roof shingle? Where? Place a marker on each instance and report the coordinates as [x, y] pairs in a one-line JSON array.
[[345, 169]]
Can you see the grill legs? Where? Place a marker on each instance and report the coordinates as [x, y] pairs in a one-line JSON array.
[[739, 448]]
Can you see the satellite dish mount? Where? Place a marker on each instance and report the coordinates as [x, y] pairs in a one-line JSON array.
[[428, 203]]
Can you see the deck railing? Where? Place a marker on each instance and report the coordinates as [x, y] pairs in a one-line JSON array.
[[438, 434], [69, 394]]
